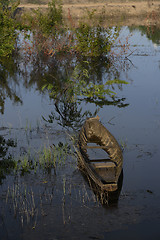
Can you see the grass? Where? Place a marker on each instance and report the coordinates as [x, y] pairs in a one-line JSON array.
[[24, 204], [123, 144], [28, 203], [47, 158], [79, 1]]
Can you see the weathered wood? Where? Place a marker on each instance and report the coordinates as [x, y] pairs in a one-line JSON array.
[[101, 160], [104, 165], [101, 147], [104, 172]]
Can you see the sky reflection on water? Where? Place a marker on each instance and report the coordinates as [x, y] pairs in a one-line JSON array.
[[137, 126]]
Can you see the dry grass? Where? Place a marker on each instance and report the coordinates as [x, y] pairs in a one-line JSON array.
[[85, 1], [117, 12]]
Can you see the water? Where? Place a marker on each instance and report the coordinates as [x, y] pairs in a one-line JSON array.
[[61, 205]]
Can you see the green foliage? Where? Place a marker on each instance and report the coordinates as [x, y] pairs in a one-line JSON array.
[[6, 162], [6, 167], [51, 36], [92, 41], [4, 145], [92, 90], [54, 156], [88, 39], [55, 12], [46, 159], [7, 27], [78, 85], [48, 21], [8, 70], [152, 32], [45, 22], [24, 164]]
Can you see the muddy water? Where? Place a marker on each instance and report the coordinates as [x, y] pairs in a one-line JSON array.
[[60, 204]]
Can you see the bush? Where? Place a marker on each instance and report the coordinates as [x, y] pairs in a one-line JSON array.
[[7, 27], [93, 41], [47, 22]]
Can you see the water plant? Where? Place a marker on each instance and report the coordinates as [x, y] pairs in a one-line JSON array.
[[24, 164], [47, 158], [123, 144], [23, 202]]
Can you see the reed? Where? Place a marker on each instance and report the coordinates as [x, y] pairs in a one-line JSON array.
[[47, 158], [24, 203]]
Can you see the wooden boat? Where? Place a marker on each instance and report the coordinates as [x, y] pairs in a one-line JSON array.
[[104, 172]]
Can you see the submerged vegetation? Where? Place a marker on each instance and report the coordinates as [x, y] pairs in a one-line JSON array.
[[47, 158]]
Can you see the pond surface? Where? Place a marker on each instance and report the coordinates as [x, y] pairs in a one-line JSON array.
[[59, 203]]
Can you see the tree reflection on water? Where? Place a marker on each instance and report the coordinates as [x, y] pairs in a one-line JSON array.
[[9, 71], [84, 80], [69, 80], [152, 32]]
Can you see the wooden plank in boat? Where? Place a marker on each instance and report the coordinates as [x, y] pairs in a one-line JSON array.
[[104, 164], [96, 147], [101, 160]]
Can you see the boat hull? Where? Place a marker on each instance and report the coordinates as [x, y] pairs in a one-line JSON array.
[[104, 172]]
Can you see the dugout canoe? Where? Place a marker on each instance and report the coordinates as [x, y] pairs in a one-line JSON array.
[[104, 172]]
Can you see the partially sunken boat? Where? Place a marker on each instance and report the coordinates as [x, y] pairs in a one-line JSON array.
[[104, 172]]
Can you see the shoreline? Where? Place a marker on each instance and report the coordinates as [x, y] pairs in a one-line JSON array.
[[121, 13]]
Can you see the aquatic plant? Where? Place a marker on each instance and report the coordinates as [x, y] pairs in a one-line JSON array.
[[24, 164], [23, 202], [47, 158], [54, 156], [123, 144]]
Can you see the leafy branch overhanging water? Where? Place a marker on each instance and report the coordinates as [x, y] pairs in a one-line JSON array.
[[87, 43]]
